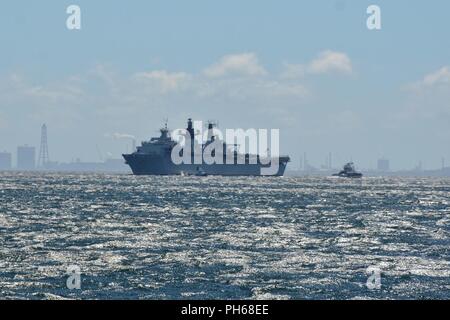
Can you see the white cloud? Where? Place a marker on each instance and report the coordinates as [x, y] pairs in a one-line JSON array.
[[331, 61], [165, 81], [54, 93], [118, 136], [121, 99], [247, 89], [16, 87], [441, 76], [439, 79], [426, 101], [326, 62], [244, 64]]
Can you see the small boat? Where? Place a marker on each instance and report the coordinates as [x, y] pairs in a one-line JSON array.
[[349, 172], [200, 172]]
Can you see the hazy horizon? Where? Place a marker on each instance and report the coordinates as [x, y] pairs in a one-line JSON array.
[[311, 69]]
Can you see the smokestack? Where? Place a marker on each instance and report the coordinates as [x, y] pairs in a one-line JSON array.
[[211, 126], [190, 130]]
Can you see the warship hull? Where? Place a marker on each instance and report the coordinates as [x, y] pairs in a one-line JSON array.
[[145, 164]]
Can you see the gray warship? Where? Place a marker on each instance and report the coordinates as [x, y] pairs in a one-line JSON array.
[[153, 157]]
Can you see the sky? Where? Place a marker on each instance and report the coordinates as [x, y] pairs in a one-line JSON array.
[[309, 68]]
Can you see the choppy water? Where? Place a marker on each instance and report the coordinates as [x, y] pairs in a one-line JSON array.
[[227, 238]]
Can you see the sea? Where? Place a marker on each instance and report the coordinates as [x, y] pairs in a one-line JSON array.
[[100, 236]]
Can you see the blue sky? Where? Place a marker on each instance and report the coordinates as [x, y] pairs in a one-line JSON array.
[[310, 68]]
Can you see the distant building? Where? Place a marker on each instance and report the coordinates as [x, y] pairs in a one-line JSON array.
[[5, 161], [26, 158], [383, 165]]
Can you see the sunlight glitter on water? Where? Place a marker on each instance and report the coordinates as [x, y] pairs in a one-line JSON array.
[[217, 237]]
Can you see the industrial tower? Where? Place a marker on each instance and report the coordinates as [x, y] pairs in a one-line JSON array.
[[44, 158]]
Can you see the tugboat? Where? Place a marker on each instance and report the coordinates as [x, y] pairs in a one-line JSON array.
[[348, 172]]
